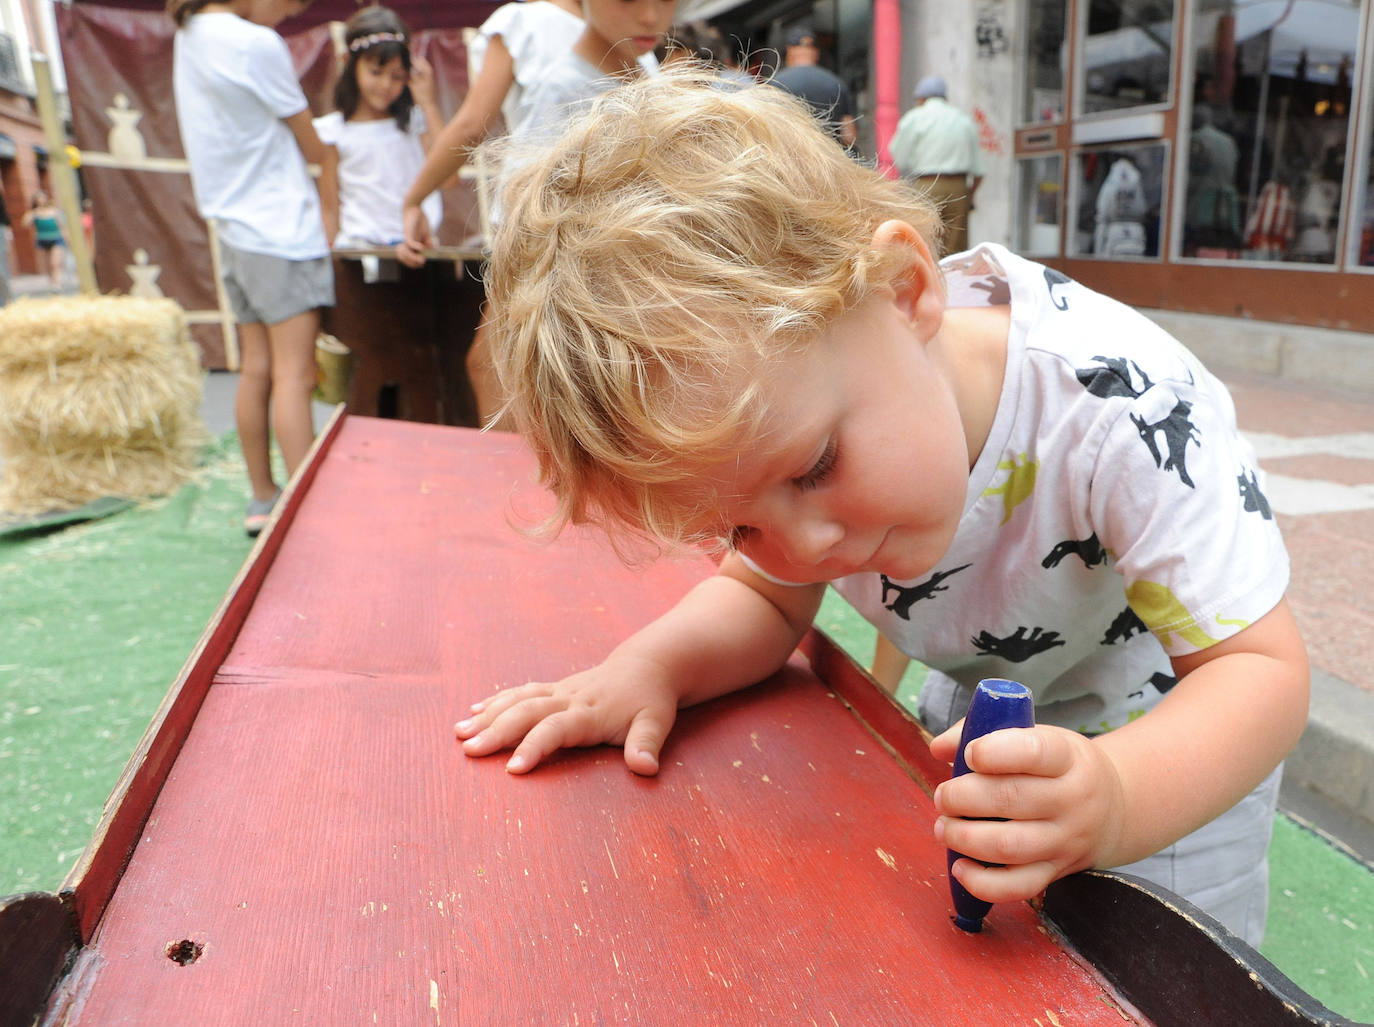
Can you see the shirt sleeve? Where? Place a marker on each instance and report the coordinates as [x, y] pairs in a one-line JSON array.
[[1177, 500], [329, 127], [272, 76]]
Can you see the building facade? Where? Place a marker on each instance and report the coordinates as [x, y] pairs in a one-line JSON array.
[[26, 27], [1207, 157]]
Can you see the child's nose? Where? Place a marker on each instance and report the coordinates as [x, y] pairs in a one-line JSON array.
[[808, 540]]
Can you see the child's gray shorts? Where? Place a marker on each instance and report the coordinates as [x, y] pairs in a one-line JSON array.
[[268, 290], [1222, 867]]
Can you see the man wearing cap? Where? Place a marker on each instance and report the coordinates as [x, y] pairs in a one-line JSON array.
[[937, 145], [826, 95]]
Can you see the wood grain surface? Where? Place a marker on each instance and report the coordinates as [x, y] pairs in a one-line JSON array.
[[322, 852]]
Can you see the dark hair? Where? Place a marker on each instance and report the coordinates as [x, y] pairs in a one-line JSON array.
[[181, 10], [394, 42]]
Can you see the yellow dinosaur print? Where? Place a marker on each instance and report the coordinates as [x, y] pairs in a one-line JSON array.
[[1019, 485], [1159, 608]]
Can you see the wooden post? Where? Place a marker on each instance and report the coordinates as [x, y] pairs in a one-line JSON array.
[[64, 181]]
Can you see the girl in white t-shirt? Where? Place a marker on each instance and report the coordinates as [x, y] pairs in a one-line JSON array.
[[510, 55], [247, 132], [381, 129]]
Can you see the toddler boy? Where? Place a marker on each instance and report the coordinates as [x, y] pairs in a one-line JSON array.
[[715, 328]]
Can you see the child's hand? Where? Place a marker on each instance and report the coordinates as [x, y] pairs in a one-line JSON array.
[[619, 701], [1060, 795], [410, 251], [421, 82]]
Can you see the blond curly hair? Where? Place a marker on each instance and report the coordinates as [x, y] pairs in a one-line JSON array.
[[676, 236]]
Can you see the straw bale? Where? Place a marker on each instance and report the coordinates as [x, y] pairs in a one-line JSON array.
[[99, 396], [45, 331]]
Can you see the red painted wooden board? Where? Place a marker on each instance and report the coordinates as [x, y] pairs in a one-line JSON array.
[[322, 852]]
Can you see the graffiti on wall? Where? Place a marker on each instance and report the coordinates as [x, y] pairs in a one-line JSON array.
[[989, 30], [989, 139]]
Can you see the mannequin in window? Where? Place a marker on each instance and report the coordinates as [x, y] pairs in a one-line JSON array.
[[1119, 228]]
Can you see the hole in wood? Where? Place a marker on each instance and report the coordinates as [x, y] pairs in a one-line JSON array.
[[184, 952]]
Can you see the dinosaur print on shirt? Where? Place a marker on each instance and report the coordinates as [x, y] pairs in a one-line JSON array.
[[907, 595], [1018, 647], [1019, 485], [1177, 431]]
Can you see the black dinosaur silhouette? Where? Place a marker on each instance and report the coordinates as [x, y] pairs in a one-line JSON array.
[[1255, 502], [906, 596], [1162, 682], [1113, 378], [1089, 550], [1126, 624], [1017, 647], [1178, 431], [1053, 278]]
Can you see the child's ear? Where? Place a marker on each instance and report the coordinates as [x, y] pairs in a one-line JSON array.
[[919, 294]]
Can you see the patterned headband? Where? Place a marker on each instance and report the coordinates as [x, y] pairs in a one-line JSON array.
[[366, 42]]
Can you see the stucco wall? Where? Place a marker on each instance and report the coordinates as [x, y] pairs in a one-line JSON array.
[[971, 45]]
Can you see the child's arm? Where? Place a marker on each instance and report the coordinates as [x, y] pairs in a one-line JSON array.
[[732, 630], [449, 151], [889, 664], [302, 127], [422, 90], [1072, 803]]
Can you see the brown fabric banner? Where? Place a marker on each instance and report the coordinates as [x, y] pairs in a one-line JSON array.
[[149, 239]]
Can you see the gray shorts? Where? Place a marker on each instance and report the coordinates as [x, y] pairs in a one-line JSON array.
[[1222, 867], [268, 290]]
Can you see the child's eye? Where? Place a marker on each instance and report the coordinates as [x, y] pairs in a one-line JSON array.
[[822, 468]]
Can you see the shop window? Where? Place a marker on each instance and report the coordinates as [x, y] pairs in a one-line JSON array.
[[1127, 53], [1038, 203], [1118, 195], [1044, 61], [1271, 124], [1365, 236]]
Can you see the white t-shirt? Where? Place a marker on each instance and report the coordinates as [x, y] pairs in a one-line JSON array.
[[377, 163], [234, 83], [1114, 517], [536, 34]]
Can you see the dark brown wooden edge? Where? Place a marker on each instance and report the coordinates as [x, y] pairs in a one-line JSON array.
[[39, 932], [1175, 964], [37, 938]]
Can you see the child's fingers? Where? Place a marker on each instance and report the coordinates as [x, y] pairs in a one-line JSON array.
[[1041, 751], [503, 725], [644, 740], [944, 745], [564, 729], [1005, 883], [1009, 842]]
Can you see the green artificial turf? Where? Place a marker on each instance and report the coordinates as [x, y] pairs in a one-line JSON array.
[[99, 616]]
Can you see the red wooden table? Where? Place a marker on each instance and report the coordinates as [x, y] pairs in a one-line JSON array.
[[300, 839]]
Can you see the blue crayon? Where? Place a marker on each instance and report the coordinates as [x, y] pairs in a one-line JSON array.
[[997, 703]]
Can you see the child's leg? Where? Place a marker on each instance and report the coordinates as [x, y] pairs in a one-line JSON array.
[[251, 405], [482, 376], [1223, 866], [293, 379], [889, 664], [55, 264]]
